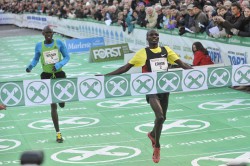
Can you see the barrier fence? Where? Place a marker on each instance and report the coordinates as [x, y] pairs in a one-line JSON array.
[[34, 92]]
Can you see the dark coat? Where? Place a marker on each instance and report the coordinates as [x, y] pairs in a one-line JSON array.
[[245, 32]]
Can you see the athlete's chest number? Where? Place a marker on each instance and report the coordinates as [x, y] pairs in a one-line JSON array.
[[159, 64], [51, 57]]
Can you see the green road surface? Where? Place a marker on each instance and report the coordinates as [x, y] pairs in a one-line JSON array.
[[203, 128]]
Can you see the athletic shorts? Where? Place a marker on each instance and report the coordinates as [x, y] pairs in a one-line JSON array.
[[160, 96], [60, 74]]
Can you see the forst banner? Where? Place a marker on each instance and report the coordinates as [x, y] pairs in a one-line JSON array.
[[35, 92], [108, 53]]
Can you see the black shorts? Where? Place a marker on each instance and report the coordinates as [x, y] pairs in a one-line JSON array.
[[160, 96], [60, 74]]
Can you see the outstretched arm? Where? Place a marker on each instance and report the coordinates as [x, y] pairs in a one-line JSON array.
[[182, 64], [121, 70]]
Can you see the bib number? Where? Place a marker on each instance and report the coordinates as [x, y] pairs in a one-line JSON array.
[[159, 64], [51, 57]]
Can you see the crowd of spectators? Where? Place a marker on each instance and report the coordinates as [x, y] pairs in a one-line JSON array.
[[217, 18]]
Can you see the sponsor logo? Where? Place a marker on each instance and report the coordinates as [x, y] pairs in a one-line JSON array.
[[229, 104], [37, 91], [65, 123], [169, 82], [117, 86], [95, 154], [242, 75], [215, 55], [107, 52], [194, 79], [11, 94], [219, 77], [231, 158], [123, 103], [64, 90], [176, 126], [237, 58], [7, 144], [91, 88], [143, 84]]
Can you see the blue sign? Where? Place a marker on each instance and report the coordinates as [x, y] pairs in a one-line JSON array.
[[82, 45]]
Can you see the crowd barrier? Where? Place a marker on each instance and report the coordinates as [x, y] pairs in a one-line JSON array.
[[34, 92], [229, 51]]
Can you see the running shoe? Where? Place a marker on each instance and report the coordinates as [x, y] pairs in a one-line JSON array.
[[152, 139], [156, 155], [59, 138], [62, 105]]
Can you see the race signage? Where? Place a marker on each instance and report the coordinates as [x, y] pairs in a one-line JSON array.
[[108, 53], [82, 45], [34, 92]]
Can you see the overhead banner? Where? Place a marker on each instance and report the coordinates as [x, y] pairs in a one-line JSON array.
[[108, 53], [34, 92], [83, 45]]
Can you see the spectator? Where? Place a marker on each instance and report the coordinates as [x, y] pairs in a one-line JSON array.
[[121, 21], [244, 4], [115, 3], [108, 14], [128, 20], [235, 21], [187, 2], [134, 17], [228, 5], [158, 10], [98, 14], [224, 12], [71, 13], [147, 3], [134, 4], [201, 56], [190, 24], [209, 10], [164, 3], [166, 15], [113, 14], [245, 32], [212, 23], [184, 17], [175, 16], [200, 19], [219, 3], [151, 17]]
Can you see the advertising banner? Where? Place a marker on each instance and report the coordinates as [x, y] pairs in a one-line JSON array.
[[83, 45], [38, 92], [108, 53]]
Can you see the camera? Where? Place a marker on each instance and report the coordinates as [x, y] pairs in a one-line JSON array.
[[32, 157]]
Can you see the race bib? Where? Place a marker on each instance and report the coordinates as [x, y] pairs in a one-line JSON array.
[[51, 57], [159, 64]]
